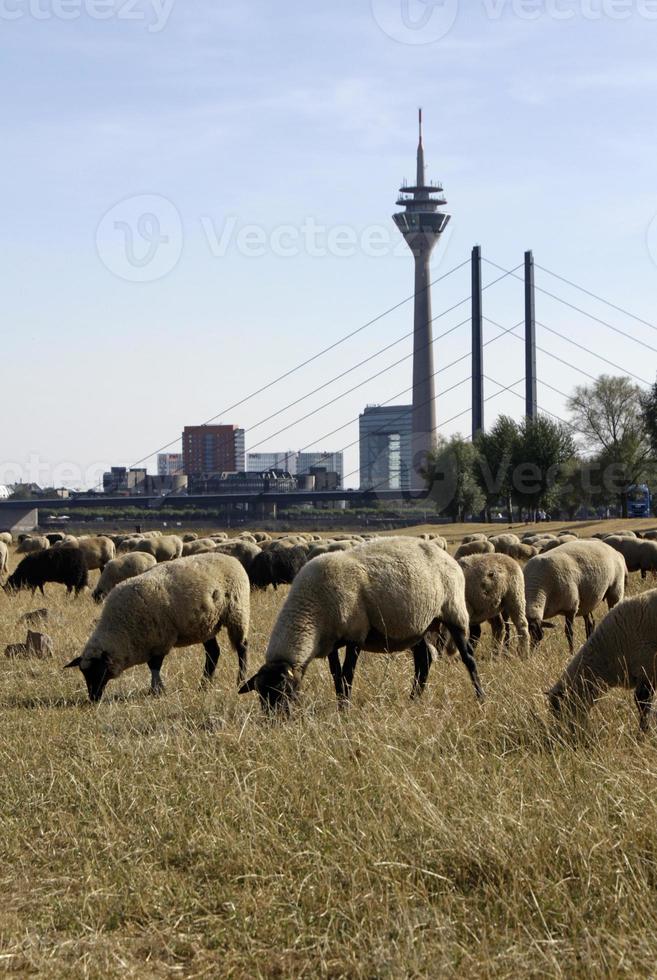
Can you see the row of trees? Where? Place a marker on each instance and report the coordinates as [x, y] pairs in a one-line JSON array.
[[608, 445]]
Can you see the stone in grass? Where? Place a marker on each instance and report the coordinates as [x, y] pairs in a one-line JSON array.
[[38, 645], [34, 617]]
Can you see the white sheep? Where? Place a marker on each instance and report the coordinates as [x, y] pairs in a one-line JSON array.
[[163, 548], [122, 568], [175, 604], [32, 543], [479, 547], [6, 537], [386, 595], [4, 558], [570, 581], [495, 594], [622, 652], [639, 555], [436, 538], [97, 551], [200, 547], [511, 545]]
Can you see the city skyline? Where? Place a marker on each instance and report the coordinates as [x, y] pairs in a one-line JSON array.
[[264, 278]]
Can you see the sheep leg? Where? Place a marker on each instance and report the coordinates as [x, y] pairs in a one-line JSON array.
[[212, 654], [155, 666], [348, 669], [497, 627], [465, 650], [336, 673], [643, 696], [242, 661], [570, 632], [475, 634], [589, 624], [422, 662]]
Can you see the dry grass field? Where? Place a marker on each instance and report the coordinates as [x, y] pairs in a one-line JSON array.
[[187, 837]]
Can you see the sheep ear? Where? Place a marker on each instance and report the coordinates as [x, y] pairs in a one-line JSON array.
[[249, 686], [74, 663]]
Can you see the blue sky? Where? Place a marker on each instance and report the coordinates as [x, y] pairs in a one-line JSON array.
[[236, 126]]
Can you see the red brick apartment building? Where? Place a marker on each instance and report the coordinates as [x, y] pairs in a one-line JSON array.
[[213, 449]]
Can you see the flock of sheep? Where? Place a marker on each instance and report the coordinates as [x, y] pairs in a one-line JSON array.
[[357, 593]]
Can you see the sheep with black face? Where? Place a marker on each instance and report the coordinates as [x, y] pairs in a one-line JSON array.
[[387, 595], [175, 604]]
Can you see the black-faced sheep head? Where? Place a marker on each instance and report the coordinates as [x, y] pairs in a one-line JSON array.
[[555, 697], [536, 630], [277, 685], [96, 672]]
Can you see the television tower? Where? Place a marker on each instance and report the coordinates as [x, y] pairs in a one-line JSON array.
[[421, 224]]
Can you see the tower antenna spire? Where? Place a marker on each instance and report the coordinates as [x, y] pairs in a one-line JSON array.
[[422, 222]]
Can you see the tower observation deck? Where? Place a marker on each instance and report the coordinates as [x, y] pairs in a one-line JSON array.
[[422, 223]]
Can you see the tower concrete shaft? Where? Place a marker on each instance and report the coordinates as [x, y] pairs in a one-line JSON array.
[[422, 223]]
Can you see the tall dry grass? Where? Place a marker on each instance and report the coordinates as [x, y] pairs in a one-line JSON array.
[[186, 837]]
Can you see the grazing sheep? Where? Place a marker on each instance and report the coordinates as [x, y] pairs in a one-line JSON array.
[[386, 595], [55, 537], [504, 539], [64, 565], [436, 538], [6, 537], [277, 567], [495, 593], [200, 547], [622, 652], [190, 536], [640, 555], [97, 551], [31, 544], [479, 547], [647, 535], [122, 568], [129, 544], [571, 581], [469, 538], [246, 552], [511, 545], [163, 548], [318, 549], [4, 558], [175, 604], [261, 536]]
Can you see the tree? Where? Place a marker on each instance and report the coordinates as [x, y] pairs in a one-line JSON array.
[[451, 477], [494, 470], [610, 415], [542, 449]]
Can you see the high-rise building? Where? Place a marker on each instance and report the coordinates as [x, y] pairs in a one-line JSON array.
[[260, 462], [385, 444], [422, 223], [209, 449], [170, 464], [328, 461]]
